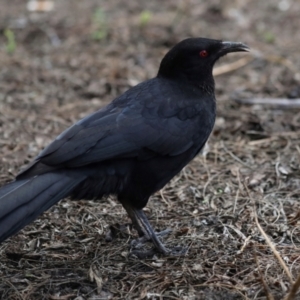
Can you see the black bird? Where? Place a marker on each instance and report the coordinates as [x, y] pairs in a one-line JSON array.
[[130, 148]]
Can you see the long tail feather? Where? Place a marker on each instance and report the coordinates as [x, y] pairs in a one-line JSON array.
[[22, 201]]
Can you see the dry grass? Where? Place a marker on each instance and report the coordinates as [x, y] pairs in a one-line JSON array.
[[236, 207]]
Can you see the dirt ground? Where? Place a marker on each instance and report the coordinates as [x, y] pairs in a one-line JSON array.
[[72, 60]]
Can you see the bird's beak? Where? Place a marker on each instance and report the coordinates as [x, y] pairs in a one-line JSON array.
[[228, 47]]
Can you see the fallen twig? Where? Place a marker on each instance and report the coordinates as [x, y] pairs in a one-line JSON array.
[[288, 103], [270, 244], [293, 290], [266, 287], [232, 66]]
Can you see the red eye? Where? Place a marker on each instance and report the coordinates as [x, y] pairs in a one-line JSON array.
[[203, 53]]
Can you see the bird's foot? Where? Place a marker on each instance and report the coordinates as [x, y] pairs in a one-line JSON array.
[[137, 246], [140, 242], [146, 232]]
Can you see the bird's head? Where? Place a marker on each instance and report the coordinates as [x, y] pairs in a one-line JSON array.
[[193, 59]]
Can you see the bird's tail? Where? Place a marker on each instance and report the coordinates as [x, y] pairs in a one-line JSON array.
[[24, 200]]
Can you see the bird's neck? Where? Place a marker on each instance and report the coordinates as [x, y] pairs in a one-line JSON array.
[[205, 84], [207, 88]]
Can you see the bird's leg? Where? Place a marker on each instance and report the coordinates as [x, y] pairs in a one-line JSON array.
[[144, 228]]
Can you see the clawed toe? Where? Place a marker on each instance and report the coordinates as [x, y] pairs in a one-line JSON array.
[[140, 242]]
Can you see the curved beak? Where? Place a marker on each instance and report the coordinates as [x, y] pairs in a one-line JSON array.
[[228, 47]]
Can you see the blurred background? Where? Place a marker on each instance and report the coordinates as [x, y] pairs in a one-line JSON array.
[[61, 60]]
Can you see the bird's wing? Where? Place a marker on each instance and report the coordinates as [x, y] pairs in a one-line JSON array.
[[130, 130], [116, 134], [95, 133]]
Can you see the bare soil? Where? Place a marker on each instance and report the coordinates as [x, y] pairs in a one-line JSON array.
[[76, 58]]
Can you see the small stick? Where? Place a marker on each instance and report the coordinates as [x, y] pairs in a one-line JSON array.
[[232, 66], [275, 252], [289, 103], [266, 288], [293, 290], [270, 244]]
